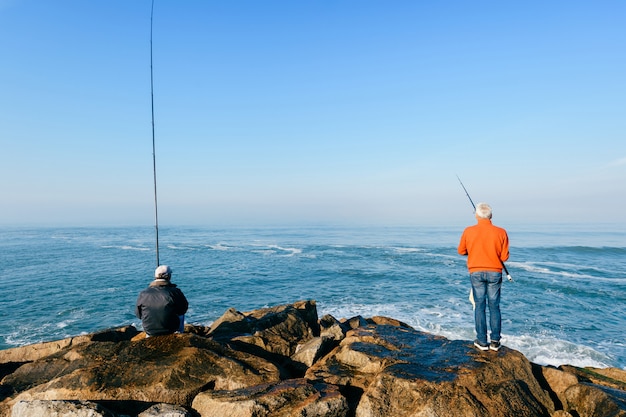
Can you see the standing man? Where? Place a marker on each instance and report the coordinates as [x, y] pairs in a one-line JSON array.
[[162, 306], [486, 247]]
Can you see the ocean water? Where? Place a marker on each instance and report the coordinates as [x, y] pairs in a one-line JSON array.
[[565, 306]]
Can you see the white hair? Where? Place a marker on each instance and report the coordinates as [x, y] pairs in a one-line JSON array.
[[483, 210]]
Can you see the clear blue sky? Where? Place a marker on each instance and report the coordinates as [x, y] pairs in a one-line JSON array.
[[300, 112]]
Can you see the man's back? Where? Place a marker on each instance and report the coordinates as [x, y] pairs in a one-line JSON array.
[[485, 245], [159, 307]]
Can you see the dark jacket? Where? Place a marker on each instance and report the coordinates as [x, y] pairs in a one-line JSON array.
[[159, 307]]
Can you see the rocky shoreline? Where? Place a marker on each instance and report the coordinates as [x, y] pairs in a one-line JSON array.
[[285, 361]]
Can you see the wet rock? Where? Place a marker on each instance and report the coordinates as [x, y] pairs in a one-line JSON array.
[[402, 372]]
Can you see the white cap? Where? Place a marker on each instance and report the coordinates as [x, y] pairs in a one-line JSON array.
[[163, 272]]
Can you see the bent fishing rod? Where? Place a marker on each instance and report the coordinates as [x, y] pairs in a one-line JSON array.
[[506, 271]]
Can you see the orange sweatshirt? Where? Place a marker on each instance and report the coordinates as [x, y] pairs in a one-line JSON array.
[[485, 245]]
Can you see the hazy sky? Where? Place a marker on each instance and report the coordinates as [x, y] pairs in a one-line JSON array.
[[300, 112]]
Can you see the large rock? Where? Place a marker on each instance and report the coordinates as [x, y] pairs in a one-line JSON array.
[[280, 361], [170, 369], [293, 398], [397, 371], [278, 330], [165, 410], [37, 351], [310, 352], [587, 392], [41, 408], [59, 408]]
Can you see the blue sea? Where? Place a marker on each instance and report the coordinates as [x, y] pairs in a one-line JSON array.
[[565, 306]]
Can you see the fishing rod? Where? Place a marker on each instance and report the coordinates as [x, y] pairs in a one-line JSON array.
[[156, 210], [506, 271]]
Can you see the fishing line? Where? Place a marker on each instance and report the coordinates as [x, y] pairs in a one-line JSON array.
[[156, 210], [508, 276]]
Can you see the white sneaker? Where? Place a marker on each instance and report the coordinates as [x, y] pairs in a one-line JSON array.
[[495, 345], [480, 345]]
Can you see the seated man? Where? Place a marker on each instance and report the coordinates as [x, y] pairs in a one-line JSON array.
[[162, 306]]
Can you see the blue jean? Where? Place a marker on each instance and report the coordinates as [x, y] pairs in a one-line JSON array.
[[181, 327], [486, 286]]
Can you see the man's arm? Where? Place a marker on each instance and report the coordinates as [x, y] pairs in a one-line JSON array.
[[504, 255], [181, 302], [462, 248]]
